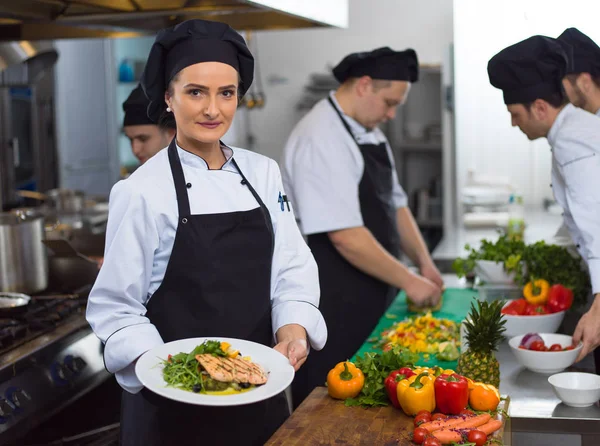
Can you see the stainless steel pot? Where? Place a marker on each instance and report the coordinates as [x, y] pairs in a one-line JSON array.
[[66, 201], [23, 258]]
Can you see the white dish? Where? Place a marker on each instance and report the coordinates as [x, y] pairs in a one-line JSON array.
[[576, 389], [149, 370], [521, 325], [546, 362], [493, 272]]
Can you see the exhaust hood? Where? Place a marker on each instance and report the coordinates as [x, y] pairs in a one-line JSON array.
[[30, 20]]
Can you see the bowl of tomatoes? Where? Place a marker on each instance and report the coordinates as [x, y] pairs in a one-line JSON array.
[[522, 318], [546, 353]]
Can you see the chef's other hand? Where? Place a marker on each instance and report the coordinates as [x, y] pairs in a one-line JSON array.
[[430, 271], [292, 344], [423, 292], [588, 330]]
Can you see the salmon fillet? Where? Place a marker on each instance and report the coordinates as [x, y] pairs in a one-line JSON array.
[[232, 369]]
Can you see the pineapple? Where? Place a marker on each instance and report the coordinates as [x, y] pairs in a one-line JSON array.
[[484, 328]]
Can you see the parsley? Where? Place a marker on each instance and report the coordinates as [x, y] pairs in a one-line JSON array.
[[376, 367]]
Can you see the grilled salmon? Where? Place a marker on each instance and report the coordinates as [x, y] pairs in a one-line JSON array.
[[232, 369]]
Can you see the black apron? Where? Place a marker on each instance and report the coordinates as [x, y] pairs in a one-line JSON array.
[[352, 302], [217, 283]]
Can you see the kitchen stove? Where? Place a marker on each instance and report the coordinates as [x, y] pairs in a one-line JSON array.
[[49, 357]]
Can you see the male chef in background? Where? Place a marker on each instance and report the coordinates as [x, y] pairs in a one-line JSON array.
[[146, 136], [530, 75], [582, 82], [339, 172]]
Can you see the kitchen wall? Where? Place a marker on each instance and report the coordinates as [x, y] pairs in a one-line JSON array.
[[485, 140], [287, 58]]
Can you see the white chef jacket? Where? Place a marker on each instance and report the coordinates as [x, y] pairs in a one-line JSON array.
[[598, 112], [141, 229], [575, 141], [322, 167]]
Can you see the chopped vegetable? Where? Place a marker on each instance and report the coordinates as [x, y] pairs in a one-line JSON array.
[[423, 334]]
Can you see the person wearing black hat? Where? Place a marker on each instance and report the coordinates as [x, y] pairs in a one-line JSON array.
[[530, 75], [200, 244], [339, 170], [147, 137], [582, 82]]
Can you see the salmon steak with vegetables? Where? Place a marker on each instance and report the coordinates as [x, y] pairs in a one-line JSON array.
[[232, 369]]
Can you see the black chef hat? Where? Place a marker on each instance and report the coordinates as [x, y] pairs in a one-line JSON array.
[[136, 108], [586, 53], [189, 43], [382, 63], [529, 70]]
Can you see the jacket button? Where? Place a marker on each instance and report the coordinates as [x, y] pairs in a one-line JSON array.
[[188, 185], [578, 246], [244, 182]]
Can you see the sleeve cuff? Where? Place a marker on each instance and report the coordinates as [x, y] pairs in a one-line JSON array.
[[304, 314], [594, 266], [128, 343]]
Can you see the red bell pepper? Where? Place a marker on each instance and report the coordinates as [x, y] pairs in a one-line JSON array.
[[451, 393], [560, 298], [535, 310], [516, 307], [391, 383]]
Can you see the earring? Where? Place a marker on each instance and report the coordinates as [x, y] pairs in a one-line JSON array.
[[169, 109]]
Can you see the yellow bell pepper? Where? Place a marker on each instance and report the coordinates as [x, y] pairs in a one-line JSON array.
[[416, 393], [536, 292]]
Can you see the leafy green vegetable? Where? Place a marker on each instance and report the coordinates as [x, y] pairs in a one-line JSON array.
[[182, 370], [539, 260], [376, 367]]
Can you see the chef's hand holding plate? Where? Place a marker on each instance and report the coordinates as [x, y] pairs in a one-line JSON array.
[[292, 344]]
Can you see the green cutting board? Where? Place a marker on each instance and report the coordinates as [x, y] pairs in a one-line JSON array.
[[455, 306]]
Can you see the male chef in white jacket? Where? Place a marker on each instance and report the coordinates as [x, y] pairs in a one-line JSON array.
[[530, 75]]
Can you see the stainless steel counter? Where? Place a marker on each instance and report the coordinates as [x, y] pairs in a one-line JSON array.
[[534, 408]]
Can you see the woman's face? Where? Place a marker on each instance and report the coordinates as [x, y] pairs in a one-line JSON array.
[[204, 97]]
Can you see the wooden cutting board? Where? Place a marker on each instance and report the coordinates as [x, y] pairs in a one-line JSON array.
[[321, 420]]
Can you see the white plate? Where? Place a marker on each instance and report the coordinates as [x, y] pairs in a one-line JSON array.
[[149, 370]]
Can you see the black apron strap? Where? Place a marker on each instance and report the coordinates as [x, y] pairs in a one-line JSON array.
[[264, 208], [339, 113], [183, 202]]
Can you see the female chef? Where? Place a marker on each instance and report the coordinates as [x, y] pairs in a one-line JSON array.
[[199, 243]]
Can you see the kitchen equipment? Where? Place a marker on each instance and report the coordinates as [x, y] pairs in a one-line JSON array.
[[23, 259], [68, 268], [576, 389], [546, 362], [494, 291], [11, 303], [521, 325]]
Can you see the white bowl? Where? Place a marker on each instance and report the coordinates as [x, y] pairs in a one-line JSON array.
[[521, 325], [576, 389], [546, 362], [493, 272]]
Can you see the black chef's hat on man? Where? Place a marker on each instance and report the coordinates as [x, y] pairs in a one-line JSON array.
[[136, 109], [529, 70], [585, 52], [189, 43], [381, 64]]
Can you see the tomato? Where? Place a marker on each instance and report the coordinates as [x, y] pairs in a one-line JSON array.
[[556, 348], [438, 416], [423, 418], [467, 412], [523, 347], [510, 311], [570, 347], [537, 346], [424, 412], [419, 435], [536, 310], [477, 437], [432, 441]]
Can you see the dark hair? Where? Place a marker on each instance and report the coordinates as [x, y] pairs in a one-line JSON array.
[[596, 80], [166, 121], [556, 100]]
